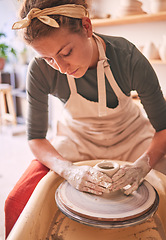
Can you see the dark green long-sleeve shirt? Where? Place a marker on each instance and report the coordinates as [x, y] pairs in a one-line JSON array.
[[130, 68]]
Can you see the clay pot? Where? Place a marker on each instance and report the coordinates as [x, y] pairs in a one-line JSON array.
[[2, 63], [107, 167]]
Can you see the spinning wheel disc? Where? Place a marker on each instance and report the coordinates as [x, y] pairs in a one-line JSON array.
[[109, 210]]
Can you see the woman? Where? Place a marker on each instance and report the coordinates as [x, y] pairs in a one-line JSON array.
[[93, 76]]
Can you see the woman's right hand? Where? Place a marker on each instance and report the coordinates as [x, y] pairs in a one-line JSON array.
[[83, 178], [88, 179]]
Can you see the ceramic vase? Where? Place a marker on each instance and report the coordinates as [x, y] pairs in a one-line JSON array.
[[158, 6], [150, 51]]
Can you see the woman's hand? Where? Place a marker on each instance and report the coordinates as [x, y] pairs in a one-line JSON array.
[[83, 178], [87, 179], [131, 175]]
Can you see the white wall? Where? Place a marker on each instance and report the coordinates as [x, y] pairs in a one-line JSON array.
[[8, 15], [113, 7]]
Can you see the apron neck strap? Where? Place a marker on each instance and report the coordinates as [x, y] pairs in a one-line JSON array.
[[102, 68], [102, 107], [105, 67], [72, 84]]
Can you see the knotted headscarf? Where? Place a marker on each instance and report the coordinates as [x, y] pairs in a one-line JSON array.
[[68, 10]]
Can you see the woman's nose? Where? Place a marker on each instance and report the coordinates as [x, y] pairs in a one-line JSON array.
[[62, 66]]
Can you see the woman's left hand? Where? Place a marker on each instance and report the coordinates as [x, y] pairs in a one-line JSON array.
[[132, 175]]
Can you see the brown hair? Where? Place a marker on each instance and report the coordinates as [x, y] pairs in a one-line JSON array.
[[37, 29]]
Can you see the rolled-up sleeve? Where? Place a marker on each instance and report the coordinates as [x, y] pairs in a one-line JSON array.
[[145, 82], [37, 99]]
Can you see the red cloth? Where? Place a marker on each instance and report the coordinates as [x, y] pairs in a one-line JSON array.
[[21, 193]]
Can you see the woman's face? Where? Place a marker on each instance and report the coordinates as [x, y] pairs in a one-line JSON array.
[[70, 53]]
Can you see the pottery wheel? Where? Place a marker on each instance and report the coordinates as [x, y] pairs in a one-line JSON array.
[[109, 210]]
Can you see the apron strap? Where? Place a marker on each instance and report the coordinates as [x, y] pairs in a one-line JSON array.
[[102, 107], [113, 83], [107, 70], [102, 68], [72, 84]]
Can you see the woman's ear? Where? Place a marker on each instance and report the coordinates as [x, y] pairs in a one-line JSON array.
[[87, 26]]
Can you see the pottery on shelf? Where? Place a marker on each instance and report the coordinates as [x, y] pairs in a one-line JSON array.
[[158, 6], [151, 52], [162, 49], [130, 7]]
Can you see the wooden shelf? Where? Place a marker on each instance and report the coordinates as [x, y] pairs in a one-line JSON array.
[[130, 19]]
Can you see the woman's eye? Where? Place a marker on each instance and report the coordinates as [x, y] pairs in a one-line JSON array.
[[66, 55]]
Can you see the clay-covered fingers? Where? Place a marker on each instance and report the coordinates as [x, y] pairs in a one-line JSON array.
[[120, 173], [131, 189], [86, 178], [122, 182], [119, 179], [96, 182], [93, 188], [127, 175], [99, 178]]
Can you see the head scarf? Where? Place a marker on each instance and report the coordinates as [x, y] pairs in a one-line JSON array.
[[68, 10]]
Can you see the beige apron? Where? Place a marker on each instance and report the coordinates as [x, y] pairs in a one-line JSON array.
[[90, 130]]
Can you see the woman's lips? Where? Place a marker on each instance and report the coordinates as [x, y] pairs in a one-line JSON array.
[[72, 73]]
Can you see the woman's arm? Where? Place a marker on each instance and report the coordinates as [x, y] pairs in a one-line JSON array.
[[83, 178], [48, 156], [144, 80], [135, 173], [157, 148]]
